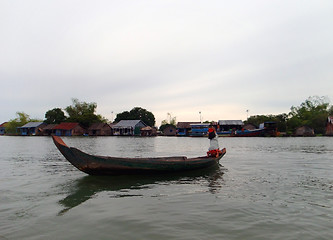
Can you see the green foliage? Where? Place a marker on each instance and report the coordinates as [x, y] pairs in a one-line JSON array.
[[83, 113], [20, 120], [281, 120], [313, 112], [207, 121], [55, 116], [165, 123], [257, 119], [164, 126], [123, 116], [137, 113]]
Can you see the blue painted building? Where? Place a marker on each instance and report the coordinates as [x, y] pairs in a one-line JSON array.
[[69, 129], [184, 128], [31, 128], [199, 129]]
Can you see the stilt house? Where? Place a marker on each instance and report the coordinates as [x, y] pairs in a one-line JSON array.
[[3, 128], [329, 126], [31, 128], [69, 129], [184, 128], [99, 129], [128, 127]]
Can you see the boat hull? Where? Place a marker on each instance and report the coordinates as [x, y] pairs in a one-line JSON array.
[[104, 165], [242, 133]]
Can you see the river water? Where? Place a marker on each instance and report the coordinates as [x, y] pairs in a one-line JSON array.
[[267, 188]]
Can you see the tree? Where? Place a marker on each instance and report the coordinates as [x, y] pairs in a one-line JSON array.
[[21, 119], [137, 113], [281, 120], [83, 113], [123, 116], [313, 112], [166, 123], [55, 116]]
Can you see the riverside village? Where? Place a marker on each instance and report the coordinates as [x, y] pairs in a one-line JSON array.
[[314, 117], [224, 128]]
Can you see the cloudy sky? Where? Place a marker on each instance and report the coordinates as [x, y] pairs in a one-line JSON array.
[[182, 57]]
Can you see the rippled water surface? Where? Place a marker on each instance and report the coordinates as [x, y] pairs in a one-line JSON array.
[[267, 188]]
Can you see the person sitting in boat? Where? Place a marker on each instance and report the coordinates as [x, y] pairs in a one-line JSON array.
[[214, 149]]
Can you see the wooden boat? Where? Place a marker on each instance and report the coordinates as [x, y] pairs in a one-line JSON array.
[[103, 165], [242, 133]]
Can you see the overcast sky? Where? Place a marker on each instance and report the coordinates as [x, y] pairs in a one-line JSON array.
[[219, 57]]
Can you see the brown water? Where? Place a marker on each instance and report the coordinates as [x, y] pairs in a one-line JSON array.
[[268, 188]]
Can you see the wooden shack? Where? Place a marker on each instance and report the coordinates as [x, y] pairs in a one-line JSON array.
[[304, 131], [249, 126], [99, 129], [3, 128], [170, 131], [69, 129], [48, 130], [148, 131], [329, 126]]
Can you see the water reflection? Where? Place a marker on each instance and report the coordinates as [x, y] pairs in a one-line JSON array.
[[86, 187]]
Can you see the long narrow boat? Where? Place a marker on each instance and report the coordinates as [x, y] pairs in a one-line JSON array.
[[242, 133], [103, 165]]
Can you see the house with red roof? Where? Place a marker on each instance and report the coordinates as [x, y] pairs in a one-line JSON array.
[[3, 128], [48, 129], [69, 129]]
